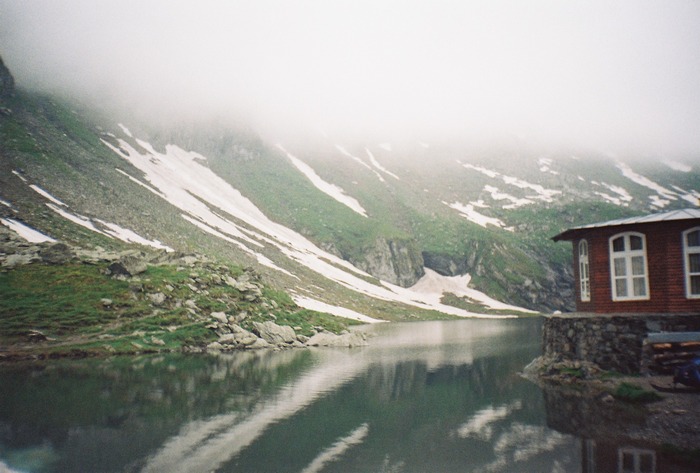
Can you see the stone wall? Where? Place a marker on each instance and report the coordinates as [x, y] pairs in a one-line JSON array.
[[612, 341]]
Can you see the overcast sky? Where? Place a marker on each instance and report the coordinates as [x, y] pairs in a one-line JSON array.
[[604, 73]]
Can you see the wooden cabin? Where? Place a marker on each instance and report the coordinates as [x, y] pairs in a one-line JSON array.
[[647, 264]]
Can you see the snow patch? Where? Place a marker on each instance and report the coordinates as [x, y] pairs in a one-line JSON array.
[[376, 164], [622, 199], [124, 234], [664, 197], [21, 177], [542, 193], [125, 130], [516, 202], [5, 203], [545, 165], [468, 212], [313, 304], [25, 231], [179, 177], [385, 146], [329, 189], [437, 285], [676, 166], [46, 195], [345, 152]]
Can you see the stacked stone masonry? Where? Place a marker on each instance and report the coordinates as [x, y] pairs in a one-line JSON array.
[[612, 341]]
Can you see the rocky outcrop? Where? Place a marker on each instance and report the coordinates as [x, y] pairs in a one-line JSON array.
[[446, 265], [345, 339], [398, 261], [7, 82]]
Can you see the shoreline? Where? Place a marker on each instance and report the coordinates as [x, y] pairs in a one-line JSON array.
[[588, 402]]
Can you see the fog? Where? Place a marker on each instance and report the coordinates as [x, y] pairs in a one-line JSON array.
[[621, 75]]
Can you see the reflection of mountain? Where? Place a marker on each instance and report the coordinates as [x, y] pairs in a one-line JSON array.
[[449, 401]]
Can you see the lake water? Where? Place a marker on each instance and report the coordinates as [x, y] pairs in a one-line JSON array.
[[423, 397]]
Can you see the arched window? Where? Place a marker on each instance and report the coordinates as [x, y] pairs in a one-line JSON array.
[[691, 249], [628, 267], [583, 271]]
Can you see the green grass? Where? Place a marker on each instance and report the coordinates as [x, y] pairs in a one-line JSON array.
[[632, 393], [65, 303], [58, 300]]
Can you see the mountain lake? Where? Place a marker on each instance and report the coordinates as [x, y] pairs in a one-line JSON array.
[[422, 397]]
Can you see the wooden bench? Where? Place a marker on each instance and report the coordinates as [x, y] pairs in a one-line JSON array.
[[665, 351]]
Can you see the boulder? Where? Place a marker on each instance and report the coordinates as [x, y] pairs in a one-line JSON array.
[[157, 298], [220, 317], [275, 334], [258, 344], [56, 253], [243, 336], [129, 265], [346, 339]]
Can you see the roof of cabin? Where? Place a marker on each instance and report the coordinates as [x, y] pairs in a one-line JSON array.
[[684, 214]]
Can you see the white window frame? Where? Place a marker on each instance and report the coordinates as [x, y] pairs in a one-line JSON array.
[[627, 255], [687, 251], [635, 455], [584, 275]]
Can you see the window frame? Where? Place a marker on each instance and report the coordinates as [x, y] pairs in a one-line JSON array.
[[584, 271], [629, 276], [686, 262]]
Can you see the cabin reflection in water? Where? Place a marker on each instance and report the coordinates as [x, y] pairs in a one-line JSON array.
[[600, 457], [609, 434]]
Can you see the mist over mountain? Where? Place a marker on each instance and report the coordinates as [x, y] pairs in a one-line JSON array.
[[388, 159], [620, 78], [375, 229]]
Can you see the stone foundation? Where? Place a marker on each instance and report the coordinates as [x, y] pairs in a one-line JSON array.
[[612, 341]]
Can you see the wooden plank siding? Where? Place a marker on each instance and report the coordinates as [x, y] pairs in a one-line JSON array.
[[665, 265]]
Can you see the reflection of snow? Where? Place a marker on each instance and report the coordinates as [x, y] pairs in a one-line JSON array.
[[329, 189], [480, 424], [355, 437], [527, 441], [208, 444], [28, 233]]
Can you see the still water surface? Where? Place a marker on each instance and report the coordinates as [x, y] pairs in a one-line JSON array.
[[423, 397]]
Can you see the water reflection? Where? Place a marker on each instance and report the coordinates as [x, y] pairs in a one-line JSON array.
[[443, 396]]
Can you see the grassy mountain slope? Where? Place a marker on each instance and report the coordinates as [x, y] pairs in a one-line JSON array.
[[60, 147]]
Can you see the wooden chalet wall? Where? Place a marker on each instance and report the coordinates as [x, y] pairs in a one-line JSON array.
[[664, 247]]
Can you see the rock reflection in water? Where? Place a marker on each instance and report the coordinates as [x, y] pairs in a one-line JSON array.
[[610, 434]]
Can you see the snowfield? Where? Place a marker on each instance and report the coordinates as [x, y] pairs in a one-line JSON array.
[[207, 201], [327, 188]]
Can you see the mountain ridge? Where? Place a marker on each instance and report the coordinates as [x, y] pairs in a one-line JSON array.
[[456, 211]]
